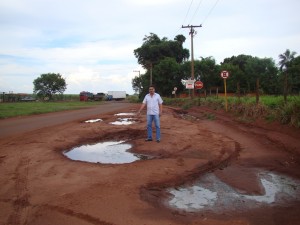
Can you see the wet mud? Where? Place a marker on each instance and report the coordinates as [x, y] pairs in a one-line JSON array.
[[209, 168]]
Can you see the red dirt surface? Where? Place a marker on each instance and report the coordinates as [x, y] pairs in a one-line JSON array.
[[39, 185]]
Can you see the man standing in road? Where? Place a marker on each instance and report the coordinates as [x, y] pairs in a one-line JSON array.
[[154, 111]]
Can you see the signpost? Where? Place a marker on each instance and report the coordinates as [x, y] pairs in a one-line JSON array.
[[225, 75], [189, 84], [198, 84]]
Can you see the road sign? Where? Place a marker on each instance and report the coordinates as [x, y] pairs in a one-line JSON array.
[[224, 74], [198, 85], [189, 84]]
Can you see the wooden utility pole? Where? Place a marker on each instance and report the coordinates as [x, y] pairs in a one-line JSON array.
[[192, 33]]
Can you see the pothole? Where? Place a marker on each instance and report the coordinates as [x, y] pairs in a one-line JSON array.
[[112, 152], [125, 114], [93, 121], [123, 121], [210, 193]]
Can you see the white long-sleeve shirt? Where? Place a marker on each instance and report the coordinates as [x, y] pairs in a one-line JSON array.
[[153, 103]]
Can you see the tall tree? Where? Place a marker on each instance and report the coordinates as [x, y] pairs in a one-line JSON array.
[[155, 50], [49, 84], [238, 76], [206, 71], [258, 69], [294, 75], [285, 60]]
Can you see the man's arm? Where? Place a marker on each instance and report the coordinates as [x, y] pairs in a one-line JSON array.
[[160, 109], [141, 108]]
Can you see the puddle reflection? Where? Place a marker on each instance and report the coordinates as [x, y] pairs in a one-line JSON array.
[[114, 152], [93, 121], [212, 194], [123, 121], [125, 114]]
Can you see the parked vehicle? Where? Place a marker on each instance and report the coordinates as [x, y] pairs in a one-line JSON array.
[[99, 96], [116, 95], [86, 96], [27, 99]]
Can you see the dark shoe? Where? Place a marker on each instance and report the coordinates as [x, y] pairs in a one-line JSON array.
[[148, 139], [157, 141]]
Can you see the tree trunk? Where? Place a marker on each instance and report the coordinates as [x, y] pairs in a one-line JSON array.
[[257, 90], [285, 88]]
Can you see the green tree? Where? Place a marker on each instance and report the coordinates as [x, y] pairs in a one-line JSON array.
[[167, 76], [236, 66], [49, 84], [294, 75], [206, 71], [285, 60], [154, 51], [257, 70]]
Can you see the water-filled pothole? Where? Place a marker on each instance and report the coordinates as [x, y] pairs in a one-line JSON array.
[[123, 121], [210, 193], [93, 120], [125, 114], [113, 152]]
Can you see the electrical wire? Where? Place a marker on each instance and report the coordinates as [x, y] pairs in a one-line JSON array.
[[196, 11], [210, 11], [185, 17], [187, 12]]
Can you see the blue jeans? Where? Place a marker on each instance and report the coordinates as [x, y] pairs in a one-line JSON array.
[[150, 119]]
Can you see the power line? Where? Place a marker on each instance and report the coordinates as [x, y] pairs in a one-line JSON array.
[[210, 11], [187, 12], [196, 11], [185, 16]]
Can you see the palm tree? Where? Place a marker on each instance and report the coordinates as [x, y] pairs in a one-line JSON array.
[[284, 63]]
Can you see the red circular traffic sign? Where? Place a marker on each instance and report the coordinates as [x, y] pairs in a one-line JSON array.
[[224, 74], [198, 85]]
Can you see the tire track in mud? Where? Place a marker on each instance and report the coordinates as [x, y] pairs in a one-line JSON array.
[[21, 202], [154, 193], [81, 216]]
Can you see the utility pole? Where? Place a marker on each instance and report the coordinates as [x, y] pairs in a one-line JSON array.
[[192, 33]]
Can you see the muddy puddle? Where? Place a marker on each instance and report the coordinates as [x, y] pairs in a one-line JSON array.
[[93, 120], [112, 152], [210, 193], [124, 121], [125, 114]]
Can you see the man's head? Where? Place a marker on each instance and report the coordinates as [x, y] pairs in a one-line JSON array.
[[151, 89]]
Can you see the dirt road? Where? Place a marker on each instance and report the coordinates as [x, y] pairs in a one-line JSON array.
[[20, 125], [208, 169]]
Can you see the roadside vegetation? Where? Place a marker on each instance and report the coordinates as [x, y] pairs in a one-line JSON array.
[[270, 108], [15, 109], [275, 87]]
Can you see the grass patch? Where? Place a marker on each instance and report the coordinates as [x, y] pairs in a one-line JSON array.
[[31, 108], [272, 108]]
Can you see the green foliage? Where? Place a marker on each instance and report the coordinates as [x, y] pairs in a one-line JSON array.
[[154, 49], [31, 108], [49, 84], [168, 62], [133, 99], [272, 108]]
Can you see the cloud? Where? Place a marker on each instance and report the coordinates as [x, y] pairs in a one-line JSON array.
[[91, 43]]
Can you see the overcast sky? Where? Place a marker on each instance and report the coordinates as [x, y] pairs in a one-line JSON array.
[[91, 42]]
